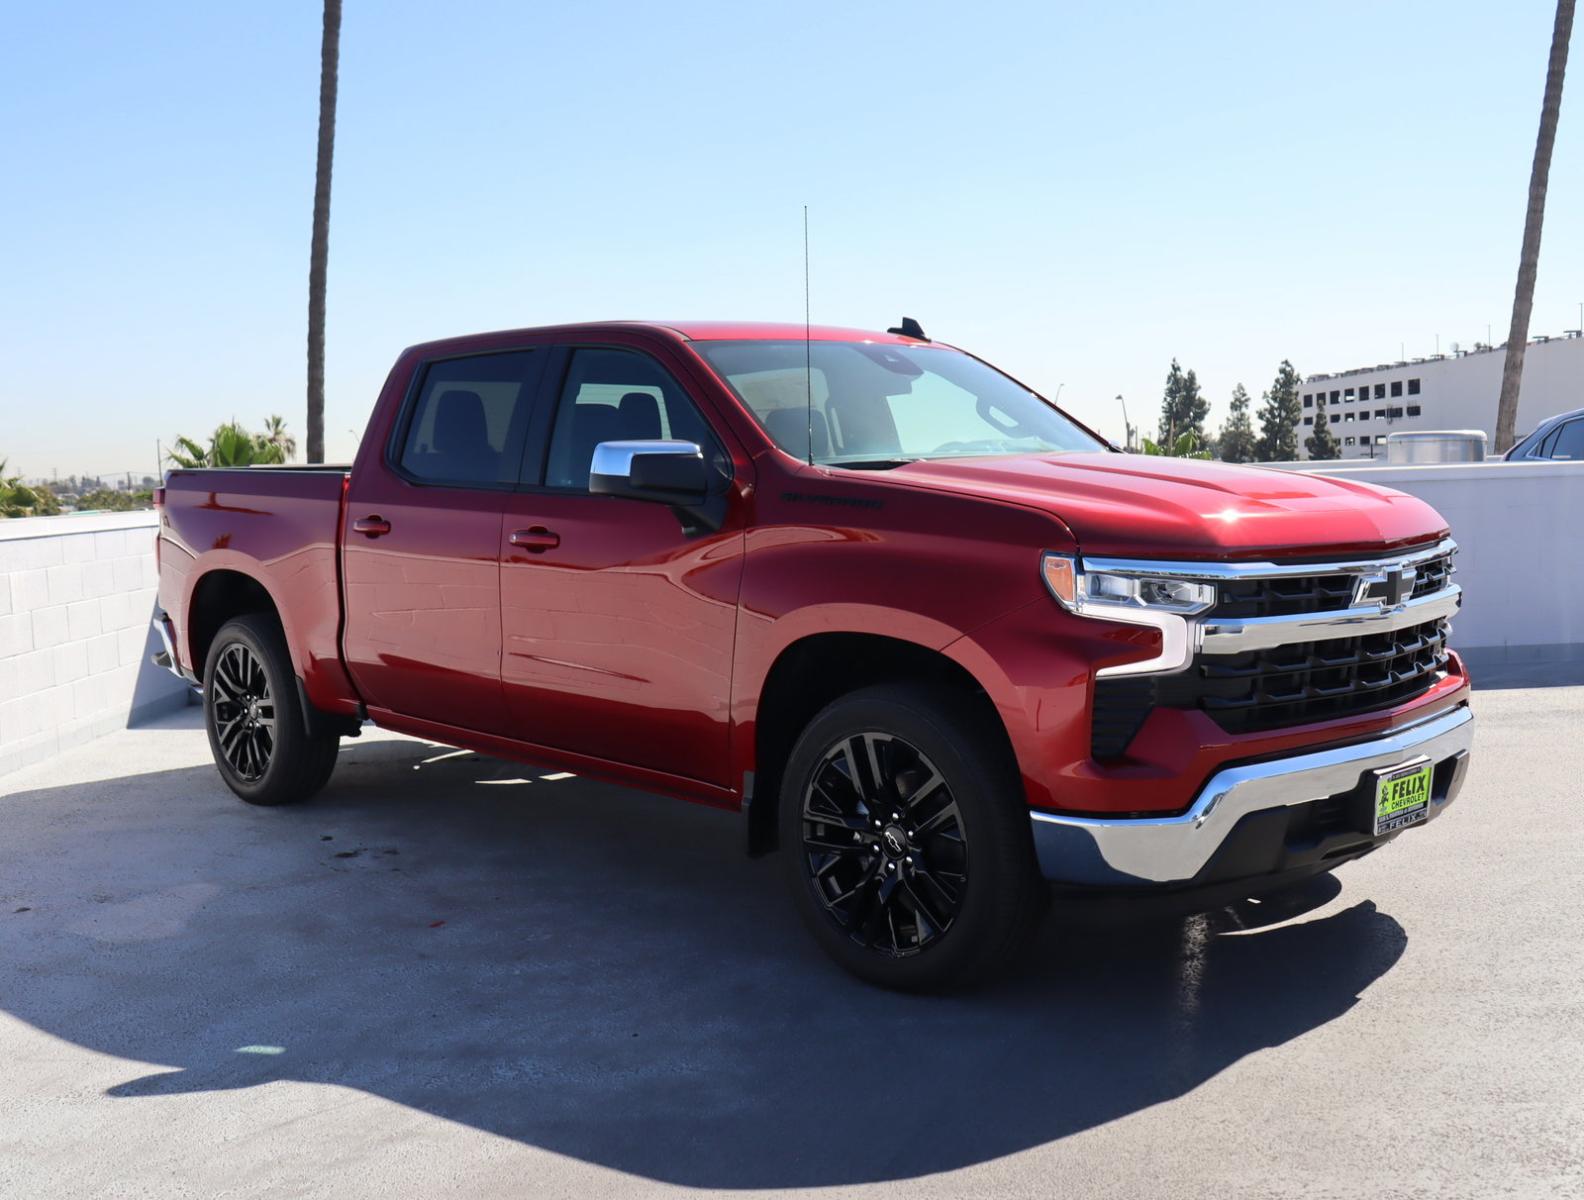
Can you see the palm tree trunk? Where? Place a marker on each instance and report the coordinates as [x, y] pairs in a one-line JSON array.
[[1529, 257], [329, 59]]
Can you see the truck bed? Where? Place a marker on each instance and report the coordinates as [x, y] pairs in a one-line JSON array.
[[278, 526]]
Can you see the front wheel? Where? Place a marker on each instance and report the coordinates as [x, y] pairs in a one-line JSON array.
[[255, 720], [906, 839]]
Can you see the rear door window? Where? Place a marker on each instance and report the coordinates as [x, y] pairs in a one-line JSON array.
[[468, 421], [1567, 442]]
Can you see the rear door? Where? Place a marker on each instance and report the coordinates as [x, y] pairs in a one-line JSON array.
[[619, 616], [422, 557]]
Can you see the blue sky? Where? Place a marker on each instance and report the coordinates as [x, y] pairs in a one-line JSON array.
[[1077, 191]]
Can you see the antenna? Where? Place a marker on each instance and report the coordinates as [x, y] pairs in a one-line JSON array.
[[808, 342]]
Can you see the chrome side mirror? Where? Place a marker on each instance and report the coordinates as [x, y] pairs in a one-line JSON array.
[[666, 472]]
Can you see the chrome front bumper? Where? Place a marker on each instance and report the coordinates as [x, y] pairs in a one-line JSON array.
[[1173, 850]]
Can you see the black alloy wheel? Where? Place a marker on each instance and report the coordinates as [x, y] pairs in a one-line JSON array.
[[883, 843], [253, 711], [244, 712], [905, 837]]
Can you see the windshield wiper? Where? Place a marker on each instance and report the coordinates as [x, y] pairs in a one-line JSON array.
[[872, 464]]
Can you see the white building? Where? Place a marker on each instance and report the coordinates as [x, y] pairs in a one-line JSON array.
[[1456, 391]]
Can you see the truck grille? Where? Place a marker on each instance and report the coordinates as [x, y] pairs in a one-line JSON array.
[[1360, 669], [1284, 597], [1311, 681], [1433, 576], [1301, 594], [1297, 684]]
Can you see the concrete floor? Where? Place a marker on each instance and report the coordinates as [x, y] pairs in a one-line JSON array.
[[450, 976]]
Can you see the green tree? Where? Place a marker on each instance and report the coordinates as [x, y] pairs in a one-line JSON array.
[[1322, 443], [229, 446], [1237, 433], [1279, 415], [17, 499], [275, 434], [1183, 407], [1187, 445], [112, 500], [319, 251], [1534, 217]]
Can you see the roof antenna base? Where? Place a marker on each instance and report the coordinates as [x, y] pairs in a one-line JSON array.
[[909, 328]]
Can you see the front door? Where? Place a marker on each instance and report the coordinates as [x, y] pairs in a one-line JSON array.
[[422, 537], [617, 621]]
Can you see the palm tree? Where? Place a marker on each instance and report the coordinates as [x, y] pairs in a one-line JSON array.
[[19, 500], [1529, 256], [229, 446], [275, 434], [187, 453], [319, 254]]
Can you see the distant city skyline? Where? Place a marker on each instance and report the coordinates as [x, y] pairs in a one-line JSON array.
[[114, 480], [1077, 195]]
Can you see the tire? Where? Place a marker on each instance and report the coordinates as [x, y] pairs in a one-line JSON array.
[[923, 876], [254, 717]]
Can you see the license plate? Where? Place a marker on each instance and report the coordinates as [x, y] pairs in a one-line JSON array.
[[1402, 797]]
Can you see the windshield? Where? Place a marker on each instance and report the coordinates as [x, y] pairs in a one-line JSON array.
[[881, 405]]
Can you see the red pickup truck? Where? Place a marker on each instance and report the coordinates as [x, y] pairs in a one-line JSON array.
[[935, 640]]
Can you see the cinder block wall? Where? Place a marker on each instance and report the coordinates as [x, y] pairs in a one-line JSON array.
[[76, 597], [1520, 555]]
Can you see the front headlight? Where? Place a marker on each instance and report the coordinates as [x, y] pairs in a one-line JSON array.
[[1122, 595]]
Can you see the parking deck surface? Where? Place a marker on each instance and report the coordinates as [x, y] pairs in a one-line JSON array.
[[451, 975]]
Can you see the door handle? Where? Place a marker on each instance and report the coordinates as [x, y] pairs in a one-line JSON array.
[[536, 540], [371, 526]]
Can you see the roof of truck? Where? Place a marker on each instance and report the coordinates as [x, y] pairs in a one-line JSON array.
[[694, 331], [769, 331]]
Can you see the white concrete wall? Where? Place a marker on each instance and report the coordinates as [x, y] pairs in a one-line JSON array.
[[1520, 533], [76, 598]]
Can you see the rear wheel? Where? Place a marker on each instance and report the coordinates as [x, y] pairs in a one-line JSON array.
[[255, 719], [906, 840]]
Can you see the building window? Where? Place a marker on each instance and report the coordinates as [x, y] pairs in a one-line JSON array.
[[1347, 441], [1413, 410], [1364, 416], [1308, 420], [1335, 417], [1395, 413], [1348, 394], [1380, 414], [1309, 400], [1397, 387], [1380, 439], [1335, 396], [1380, 391], [1413, 387]]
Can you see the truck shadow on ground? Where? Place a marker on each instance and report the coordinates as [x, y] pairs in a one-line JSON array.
[[603, 974]]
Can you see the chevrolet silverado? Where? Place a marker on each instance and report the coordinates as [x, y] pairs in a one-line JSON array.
[[947, 650]]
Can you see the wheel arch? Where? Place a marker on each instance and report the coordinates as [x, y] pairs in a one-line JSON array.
[[218, 596], [816, 669], [224, 593]]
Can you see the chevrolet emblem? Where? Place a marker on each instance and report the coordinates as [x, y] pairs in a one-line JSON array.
[[1388, 588]]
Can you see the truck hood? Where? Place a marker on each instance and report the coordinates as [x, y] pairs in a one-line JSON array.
[[1133, 505]]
